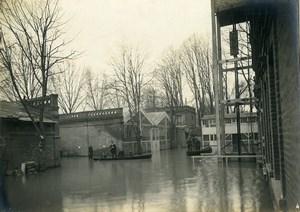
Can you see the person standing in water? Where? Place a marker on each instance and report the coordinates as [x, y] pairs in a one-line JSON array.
[[90, 152], [113, 149]]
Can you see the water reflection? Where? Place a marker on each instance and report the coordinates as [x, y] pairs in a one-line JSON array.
[[167, 182]]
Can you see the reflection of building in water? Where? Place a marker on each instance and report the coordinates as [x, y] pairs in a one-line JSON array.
[[249, 132]]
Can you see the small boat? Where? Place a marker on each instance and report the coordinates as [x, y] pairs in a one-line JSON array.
[[204, 150], [143, 156]]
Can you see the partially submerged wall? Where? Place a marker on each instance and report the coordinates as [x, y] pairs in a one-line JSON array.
[[78, 131]]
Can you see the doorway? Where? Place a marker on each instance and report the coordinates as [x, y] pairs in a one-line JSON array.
[[155, 142]]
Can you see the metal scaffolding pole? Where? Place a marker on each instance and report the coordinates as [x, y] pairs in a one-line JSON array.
[[237, 92], [216, 75]]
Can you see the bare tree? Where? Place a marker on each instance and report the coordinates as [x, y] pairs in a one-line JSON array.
[[29, 86], [197, 64], [69, 85], [153, 97], [246, 81], [169, 74], [32, 30], [128, 65], [97, 90]]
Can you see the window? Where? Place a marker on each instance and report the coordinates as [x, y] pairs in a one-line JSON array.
[[180, 119], [227, 121], [213, 137], [205, 123], [212, 123], [252, 119], [206, 137], [244, 120]]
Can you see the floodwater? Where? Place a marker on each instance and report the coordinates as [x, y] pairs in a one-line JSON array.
[[167, 182]]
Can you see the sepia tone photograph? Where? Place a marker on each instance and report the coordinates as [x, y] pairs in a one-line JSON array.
[[149, 105]]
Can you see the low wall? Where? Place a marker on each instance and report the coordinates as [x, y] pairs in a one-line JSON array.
[[78, 131]]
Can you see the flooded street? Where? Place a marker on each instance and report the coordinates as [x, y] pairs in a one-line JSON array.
[[167, 182]]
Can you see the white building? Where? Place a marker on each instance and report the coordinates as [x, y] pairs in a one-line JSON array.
[[249, 132]]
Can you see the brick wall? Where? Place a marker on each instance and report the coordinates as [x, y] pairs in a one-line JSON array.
[[276, 64], [19, 144], [289, 80]]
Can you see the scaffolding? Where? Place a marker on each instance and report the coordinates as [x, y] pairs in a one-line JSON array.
[[237, 64]]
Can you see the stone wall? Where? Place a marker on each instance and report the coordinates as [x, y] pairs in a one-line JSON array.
[[78, 131]]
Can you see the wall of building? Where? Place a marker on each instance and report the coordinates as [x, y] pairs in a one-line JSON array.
[[249, 132], [149, 133], [78, 131], [289, 86], [18, 138], [185, 118], [277, 80], [20, 144]]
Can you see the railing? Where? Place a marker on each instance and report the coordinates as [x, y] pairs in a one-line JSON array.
[[225, 156], [132, 146], [98, 114], [50, 100]]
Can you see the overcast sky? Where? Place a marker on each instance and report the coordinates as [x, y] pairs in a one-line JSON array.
[[102, 25]]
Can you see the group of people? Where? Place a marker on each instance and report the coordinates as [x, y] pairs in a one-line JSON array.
[[113, 150], [193, 144]]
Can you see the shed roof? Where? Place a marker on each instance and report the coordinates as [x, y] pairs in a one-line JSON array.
[[157, 117], [153, 117], [16, 110]]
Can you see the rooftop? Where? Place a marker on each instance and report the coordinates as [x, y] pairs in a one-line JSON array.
[[15, 110]]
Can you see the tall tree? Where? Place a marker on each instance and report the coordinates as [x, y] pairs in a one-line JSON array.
[[153, 97], [97, 90], [29, 86], [32, 31], [69, 85], [129, 66], [197, 65], [169, 74]]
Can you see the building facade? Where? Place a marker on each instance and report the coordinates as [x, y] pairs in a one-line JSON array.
[[18, 139], [155, 131], [184, 122], [249, 133], [98, 129], [274, 39]]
